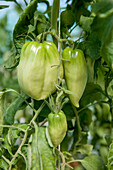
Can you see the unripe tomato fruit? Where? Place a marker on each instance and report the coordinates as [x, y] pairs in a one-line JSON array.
[[38, 69], [75, 73], [57, 127]]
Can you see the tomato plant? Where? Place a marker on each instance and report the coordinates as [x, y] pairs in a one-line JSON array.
[[56, 86]]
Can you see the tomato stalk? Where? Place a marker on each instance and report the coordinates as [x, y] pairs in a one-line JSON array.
[[54, 16], [1, 111], [18, 5], [18, 152], [79, 127]]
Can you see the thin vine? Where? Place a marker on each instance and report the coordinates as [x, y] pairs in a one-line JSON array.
[[25, 135]]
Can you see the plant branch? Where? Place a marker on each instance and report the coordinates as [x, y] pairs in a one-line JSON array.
[[73, 28], [54, 15], [37, 113], [59, 44], [7, 160], [19, 149], [25, 135], [63, 159], [107, 14], [12, 90], [78, 125], [25, 2], [92, 104], [18, 5], [15, 127]]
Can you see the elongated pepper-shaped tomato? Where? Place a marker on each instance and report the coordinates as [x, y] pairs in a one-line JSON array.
[[38, 69], [75, 73], [57, 127]]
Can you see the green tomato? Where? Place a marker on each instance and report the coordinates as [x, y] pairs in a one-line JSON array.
[[57, 127], [75, 73], [38, 69]]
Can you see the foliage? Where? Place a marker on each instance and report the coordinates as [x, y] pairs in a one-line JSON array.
[[88, 142]]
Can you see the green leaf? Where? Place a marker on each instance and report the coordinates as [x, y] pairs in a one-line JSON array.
[[102, 7], [68, 110], [107, 50], [3, 164], [86, 22], [21, 28], [40, 24], [93, 92], [92, 162], [104, 153], [85, 117], [100, 29], [12, 136], [14, 133], [85, 149], [90, 68], [17, 104], [4, 6], [11, 62], [102, 25], [6, 145], [79, 8], [44, 112], [48, 137], [42, 156], [67, 18], [68, 142], [110, 157], [93, 45]]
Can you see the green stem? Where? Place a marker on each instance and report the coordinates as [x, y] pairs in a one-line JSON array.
[[7, 160], [59, 46], [37, 113], [1, 111], [78, 125], [25, 135], [73, 28], [59, 43], [107, 14], [45, 120], [18, 5], [19, 149], [54, 16], [14, 127], [50, 107], [75, 161], [53, 33], [25, 2], [12, 90], [92, 104], [62, 158]]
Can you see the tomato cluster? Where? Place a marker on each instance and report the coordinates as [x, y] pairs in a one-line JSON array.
[[38, 71]]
